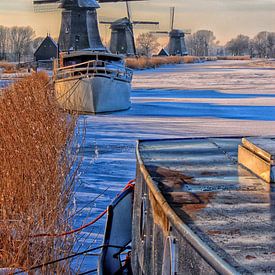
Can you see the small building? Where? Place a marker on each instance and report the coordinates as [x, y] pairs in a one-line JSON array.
[[47, 50], [163, 52]]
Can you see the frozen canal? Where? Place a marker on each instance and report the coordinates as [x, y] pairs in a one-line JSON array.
[[210, 99]]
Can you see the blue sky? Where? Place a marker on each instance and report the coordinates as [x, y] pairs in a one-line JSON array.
[[227, 18]]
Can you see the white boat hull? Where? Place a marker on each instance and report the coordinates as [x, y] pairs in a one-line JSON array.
[[96, 94]]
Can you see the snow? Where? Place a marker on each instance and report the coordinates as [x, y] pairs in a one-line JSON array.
[[222, 98]]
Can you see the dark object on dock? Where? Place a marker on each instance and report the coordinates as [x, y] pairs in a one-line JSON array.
[[118, 235], [197, 211]]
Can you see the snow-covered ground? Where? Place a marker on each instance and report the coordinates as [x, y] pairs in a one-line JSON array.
[[210, 99]]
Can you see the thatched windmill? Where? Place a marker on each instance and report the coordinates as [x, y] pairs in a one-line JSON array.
[[79, 27], [176, 45], [122, 35]]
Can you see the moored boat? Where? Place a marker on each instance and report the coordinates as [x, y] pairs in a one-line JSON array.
[[198, 211], [92, 82]]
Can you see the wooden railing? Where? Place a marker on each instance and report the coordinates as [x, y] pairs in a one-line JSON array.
[[91, 68]]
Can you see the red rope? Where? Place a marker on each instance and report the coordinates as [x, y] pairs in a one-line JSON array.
[[129, 185]]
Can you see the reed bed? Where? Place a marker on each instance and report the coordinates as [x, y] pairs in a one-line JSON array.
[[37, 175], [8, 68], [153, 62], [245, 57]]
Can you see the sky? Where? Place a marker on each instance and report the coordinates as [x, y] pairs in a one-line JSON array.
[[226, 18]]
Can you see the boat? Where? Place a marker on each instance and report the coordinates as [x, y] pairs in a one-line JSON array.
[[92, 82], [204, 206], [118, 235]]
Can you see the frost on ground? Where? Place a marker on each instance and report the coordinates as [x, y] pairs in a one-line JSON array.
[[222, 98]]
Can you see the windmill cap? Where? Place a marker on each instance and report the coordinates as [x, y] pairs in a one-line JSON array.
[[176, 33], [121, 23], [80, 4]]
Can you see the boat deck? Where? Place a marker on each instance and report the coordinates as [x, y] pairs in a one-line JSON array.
[[230, 209]]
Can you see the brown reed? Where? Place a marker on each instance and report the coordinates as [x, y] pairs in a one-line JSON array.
[[244, 57], [153, 62], [8, 68], [37, 174]]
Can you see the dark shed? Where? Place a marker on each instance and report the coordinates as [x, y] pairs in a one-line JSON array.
[[163, 52], [47, 50]]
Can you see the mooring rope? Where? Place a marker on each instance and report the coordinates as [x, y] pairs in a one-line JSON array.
[[129, 185], [71, 256]]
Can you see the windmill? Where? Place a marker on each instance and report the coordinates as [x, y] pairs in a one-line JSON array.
[[122, 32], [176, 45], [79, 26]]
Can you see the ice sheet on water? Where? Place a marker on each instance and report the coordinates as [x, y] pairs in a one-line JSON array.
[[171, 102]]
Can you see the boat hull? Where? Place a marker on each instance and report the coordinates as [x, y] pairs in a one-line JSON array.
[[96, 94]]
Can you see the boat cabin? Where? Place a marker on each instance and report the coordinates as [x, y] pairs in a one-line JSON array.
[[79, 57]]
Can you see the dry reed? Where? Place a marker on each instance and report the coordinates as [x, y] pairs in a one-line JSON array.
[[8, 68], [37, 174], [245, 57], [145, 63]]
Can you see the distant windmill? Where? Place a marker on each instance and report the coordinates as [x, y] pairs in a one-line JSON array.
[[79, 27], [176, 44], [122, 35]]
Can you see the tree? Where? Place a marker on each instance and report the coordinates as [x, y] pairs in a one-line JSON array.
[[271, 44], [146, 44], [201, 43], [4, 36], [238, 45], [21, 39], [260, 44]]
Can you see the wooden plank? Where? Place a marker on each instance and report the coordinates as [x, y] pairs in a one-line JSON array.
[[263, 147], [254, 163]]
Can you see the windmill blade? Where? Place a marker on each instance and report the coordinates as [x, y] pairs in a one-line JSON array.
[[160, 33], [146, 25], [187, 31], [172, 18], [43, 2], [46, 5], [106, 22], [114, 1]]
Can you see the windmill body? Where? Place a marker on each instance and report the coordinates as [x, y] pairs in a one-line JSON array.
[[177, 44], [122, 41], [79, 27]]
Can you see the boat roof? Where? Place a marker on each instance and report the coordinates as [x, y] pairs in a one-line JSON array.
[[225, 205], [73, 54]]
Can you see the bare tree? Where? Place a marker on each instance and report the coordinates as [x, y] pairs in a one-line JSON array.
[[260, 44], [271, 44], [238, 45], [21, 39], [146, 44], [201, 43], [4, 35]]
